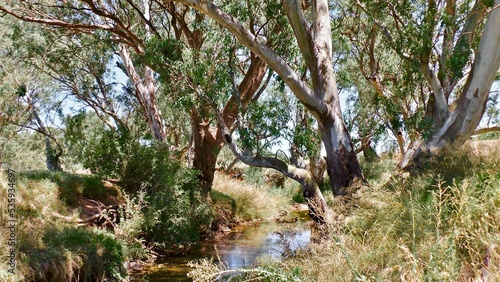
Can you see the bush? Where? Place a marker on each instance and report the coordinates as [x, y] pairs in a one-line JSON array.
[[175, 211], [106, 155], [70, 253]]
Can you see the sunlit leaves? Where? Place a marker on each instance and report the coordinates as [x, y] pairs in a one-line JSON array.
[[265, 124]]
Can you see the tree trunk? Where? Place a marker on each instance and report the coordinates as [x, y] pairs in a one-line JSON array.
[[369, 153], [206, 149], [52, 161], [318, 209], [317, 167], [342, 162], [145, 90]]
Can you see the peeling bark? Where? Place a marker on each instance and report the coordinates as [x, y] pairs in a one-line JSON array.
[[206, 149], [145, 90]]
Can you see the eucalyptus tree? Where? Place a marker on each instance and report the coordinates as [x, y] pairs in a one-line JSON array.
[[30, 98], [156, 32], [310, 23], [207, 75], [30, 104], [112, 21], [82, 76], [452, 47], [389, 88]]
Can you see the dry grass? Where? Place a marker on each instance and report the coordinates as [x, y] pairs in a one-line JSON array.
[[485, 148], [49, 244], [252, 201], [430, 227]]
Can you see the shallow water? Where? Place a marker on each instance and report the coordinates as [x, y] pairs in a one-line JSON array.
[[239, 248]]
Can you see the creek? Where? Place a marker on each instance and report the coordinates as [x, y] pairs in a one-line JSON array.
[[241, 247]]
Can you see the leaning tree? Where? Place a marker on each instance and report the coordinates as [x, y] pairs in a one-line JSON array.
[[452, 46]]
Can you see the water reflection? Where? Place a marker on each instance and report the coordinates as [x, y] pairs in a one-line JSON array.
[[240, 248]]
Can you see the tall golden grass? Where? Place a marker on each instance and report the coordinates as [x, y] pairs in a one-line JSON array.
[[439, 224], [251, 201]]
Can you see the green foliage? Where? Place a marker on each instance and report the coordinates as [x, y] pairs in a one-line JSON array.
[[459, 59], [265, 122], [102, 150], [72, 253], [24, 150], [107, 154], [131, 229], [175, 211], [161, 54]]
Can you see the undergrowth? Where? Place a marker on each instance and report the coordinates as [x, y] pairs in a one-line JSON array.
[[440, 224], [250, 201], [49, 245]]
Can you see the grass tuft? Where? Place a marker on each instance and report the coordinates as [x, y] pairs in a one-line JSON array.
[[49, 244]]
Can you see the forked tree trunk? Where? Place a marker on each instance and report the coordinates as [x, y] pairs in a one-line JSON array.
[[471, 104], [322, 100]]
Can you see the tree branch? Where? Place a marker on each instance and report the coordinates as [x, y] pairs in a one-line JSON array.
[[300, 89], [290, 171], [295, 16], [486, 130]]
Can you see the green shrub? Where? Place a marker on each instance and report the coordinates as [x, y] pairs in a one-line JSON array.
[[106, 154], [175, 212]]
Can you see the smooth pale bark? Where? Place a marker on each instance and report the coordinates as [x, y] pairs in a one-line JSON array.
[[145, 89], [471, 104], [322, 101]]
